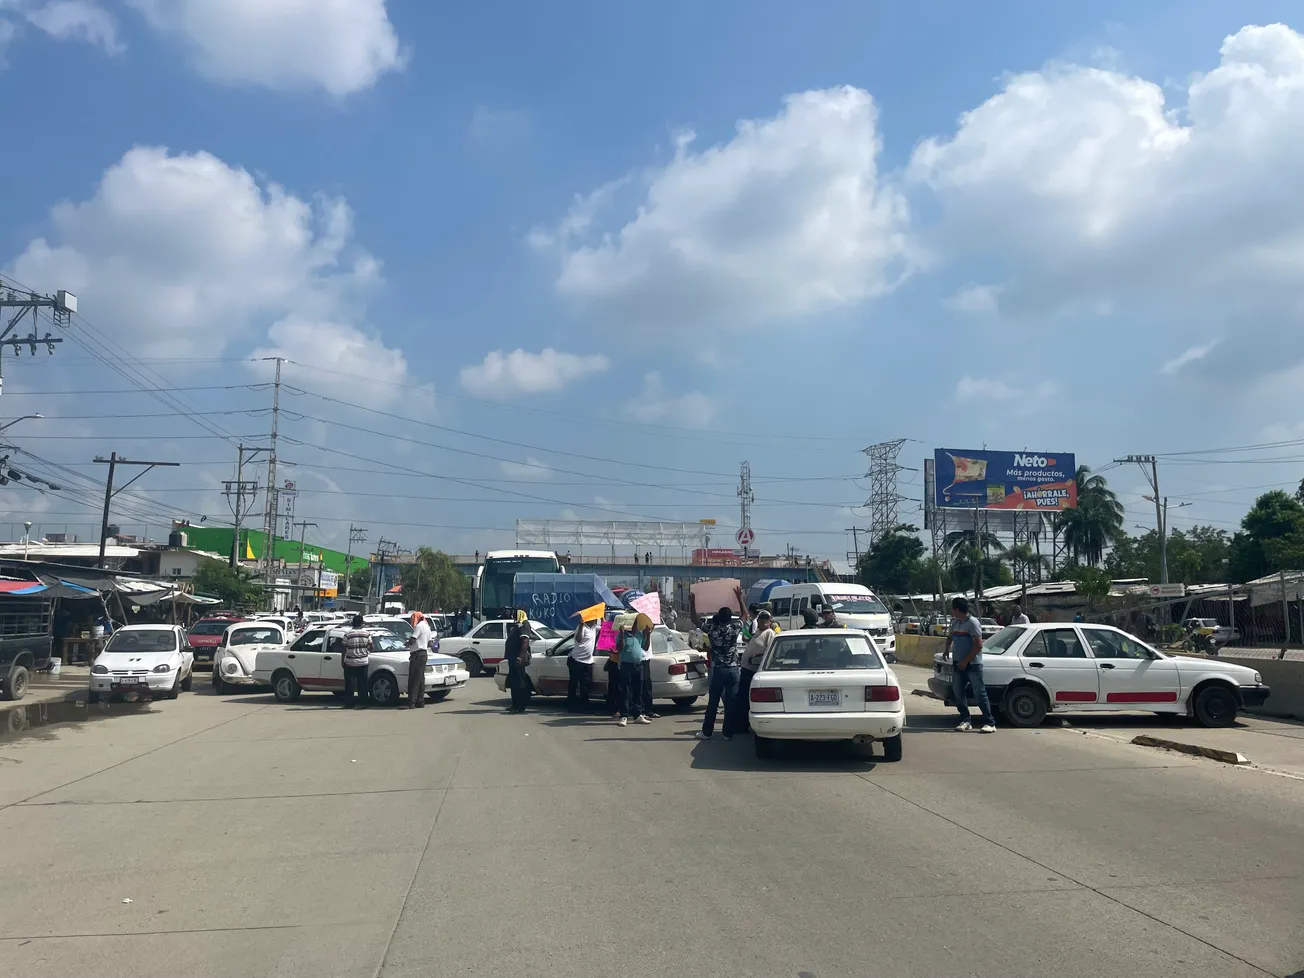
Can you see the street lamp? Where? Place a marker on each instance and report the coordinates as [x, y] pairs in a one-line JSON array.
[[25, 417], [27, 536]]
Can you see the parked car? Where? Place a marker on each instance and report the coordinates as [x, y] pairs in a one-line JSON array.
[[678, 672], [314, 662], [941, 626], [989, 626], [482, 650], [826, 684], [910, 625], [1030, 670], [237, 654], [144, 660], [205, 636]]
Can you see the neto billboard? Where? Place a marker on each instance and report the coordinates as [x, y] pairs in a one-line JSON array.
[[1005, 480]]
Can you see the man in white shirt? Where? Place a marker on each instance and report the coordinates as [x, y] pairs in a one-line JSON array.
[[418, 654], [1017, 617], [580, 664]]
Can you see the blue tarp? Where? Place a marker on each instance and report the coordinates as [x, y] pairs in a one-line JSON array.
[[555, 598], [759, 592]]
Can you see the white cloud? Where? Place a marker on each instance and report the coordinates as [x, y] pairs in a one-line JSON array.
[[342, 46], [788, 218], [181, 255], [989, 389], [1187, 357], [1092, 189], [976, 299], [531, 469], [694, 410], [506, 375], [63, 20]]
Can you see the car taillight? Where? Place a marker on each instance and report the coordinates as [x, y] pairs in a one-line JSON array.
[[882, 694], [767, 694], [678, 669]]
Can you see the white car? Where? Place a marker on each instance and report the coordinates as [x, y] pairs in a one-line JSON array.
[[482, 650], [678, 672], [315, 661], [826, 684], [144, 660], [989, 626], [1030, 670], [233, 663]]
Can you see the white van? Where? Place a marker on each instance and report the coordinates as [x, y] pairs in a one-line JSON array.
[[855, 605]]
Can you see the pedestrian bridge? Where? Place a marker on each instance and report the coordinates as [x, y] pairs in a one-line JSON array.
[[638, 573]]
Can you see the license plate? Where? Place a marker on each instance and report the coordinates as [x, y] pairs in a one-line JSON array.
[[826, 697], [450, 680], [130, 682]]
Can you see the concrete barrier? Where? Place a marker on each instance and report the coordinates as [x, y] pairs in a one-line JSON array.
[[1286, 678], [918, 650]]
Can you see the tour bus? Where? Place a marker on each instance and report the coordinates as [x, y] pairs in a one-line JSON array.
[[494, 586], [855, 605]]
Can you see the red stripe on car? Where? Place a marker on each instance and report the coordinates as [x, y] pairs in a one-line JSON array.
[[1075, 696], [1141, 698]]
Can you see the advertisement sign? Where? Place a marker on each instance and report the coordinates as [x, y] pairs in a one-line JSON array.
[[975, 479]]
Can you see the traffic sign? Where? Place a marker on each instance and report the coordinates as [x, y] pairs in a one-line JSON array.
[[745, 536]]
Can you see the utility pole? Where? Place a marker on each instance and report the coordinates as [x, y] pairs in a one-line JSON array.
[[240, 489], [357, 534], [1152, 476], [270, 504], [384, 548], [113, 461], [855, 532], [303, 529], [62, 306]]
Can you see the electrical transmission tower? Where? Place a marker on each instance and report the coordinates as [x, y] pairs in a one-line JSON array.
[[884, 500], [62, 306]]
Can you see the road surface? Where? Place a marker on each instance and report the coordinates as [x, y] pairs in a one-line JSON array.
[[254, 839]]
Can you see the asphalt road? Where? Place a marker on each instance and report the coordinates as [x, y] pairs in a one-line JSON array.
[[254, 839]]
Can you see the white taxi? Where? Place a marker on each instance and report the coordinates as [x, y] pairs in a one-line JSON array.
[[482, 650], [678, 671], [1030, 670], [143, 660], [233, 663], [826, 684]]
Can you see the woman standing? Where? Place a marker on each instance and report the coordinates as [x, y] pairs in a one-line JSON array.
[[517, 655]]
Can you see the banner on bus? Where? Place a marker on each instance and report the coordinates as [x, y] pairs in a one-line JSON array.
[[979, 479]]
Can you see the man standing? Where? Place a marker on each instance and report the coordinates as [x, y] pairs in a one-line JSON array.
[[357, 655], [965, 646], [517, 656], [751, 662], [418, 655], [723, 633], [828, 619], [580, 666], [1017, 617]]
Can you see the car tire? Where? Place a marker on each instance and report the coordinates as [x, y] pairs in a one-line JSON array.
[[438, 696], [16, 685], [473, 664], [338, 693], [1215, 706], [685, 702], [285, 687], [175, 691], [1025, 706], [765, 746], [892, 748], [189, 682], [384, 689], [219, 687]]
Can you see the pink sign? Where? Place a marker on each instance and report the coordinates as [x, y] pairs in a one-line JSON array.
[[650, 605], [606, 637]]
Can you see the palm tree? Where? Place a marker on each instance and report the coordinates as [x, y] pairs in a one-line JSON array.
[[1096, 522], [959, 542], [1025, 562]]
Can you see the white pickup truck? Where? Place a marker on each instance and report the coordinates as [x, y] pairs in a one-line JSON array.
[[316, 662]]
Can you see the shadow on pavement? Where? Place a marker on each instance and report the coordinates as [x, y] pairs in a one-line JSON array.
[[839, 757], [41, 720]]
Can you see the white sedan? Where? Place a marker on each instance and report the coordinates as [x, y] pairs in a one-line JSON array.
[[678, 672], [236, 656], [482, 650], [144, 660], [826, 684]]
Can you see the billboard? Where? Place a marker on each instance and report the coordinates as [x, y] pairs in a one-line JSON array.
[[965, 479]]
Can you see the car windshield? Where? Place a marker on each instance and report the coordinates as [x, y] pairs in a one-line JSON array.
[[256, 636], [664, 640], [210, 626], [145, 640], [388, 643], [543, 631], [399, 626], [821, 653], [1003, 639], [987, 621], [856, 604]]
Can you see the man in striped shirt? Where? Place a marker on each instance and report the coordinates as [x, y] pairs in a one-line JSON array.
[[357, 656]]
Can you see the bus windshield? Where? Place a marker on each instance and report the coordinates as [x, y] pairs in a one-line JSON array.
[[497, 581]]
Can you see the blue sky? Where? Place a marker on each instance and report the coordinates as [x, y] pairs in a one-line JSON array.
[[615, 251]]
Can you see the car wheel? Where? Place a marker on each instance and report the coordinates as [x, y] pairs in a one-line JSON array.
[[285, 687], [438, 696], [685, 702], [188, 683], [175, 691], [16, 685], [384, 689], [764, 746], [892, 748], [219, 687], [1215, 706], [473, 664], [1025, 706]]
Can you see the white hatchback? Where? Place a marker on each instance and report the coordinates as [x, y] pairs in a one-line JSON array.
[[144, 660], [826, 684]]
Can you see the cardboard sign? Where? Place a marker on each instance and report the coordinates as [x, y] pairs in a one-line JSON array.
[[606, 637], [650, 605], [592, 612]]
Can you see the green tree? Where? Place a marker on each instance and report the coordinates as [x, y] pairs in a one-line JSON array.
[[930, 575], [958, 542], [892, 561], [1025, 562], [1089, 529], [432, 582], [234, 588], [1092, 583], [360, 581], [1271, 538]]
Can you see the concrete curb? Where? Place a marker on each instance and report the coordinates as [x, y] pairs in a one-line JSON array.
[[1212, 753]]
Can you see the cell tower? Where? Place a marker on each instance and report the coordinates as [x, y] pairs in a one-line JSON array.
[[745, 499], [884, 500]]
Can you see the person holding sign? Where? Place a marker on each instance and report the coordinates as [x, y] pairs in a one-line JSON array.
[[580, 661]]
